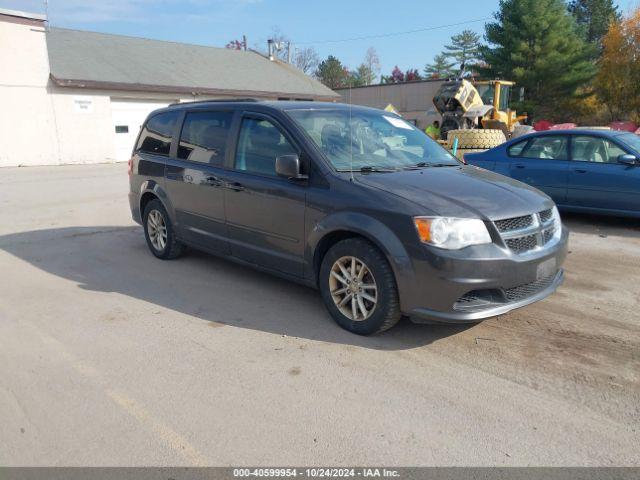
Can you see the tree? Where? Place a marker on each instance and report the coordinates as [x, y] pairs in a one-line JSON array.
[[440, 68], [464, 49], [594, 17], [396, 75], [617, 82], [536, 43], [306, 59], [372, 64], [332, 73], [412, 75]]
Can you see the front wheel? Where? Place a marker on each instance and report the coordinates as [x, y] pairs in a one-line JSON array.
[[358, 287]]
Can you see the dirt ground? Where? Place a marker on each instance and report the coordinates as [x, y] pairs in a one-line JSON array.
[[111, 357]]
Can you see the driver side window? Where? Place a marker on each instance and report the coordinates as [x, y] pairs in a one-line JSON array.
[[259, 144], [595, 149]]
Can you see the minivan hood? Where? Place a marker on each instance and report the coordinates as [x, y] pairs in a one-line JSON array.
[[465, 192]]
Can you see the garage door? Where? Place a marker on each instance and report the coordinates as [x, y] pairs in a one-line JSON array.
[[128, 116]]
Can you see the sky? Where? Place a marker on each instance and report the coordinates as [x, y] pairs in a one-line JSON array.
[[316, 23]]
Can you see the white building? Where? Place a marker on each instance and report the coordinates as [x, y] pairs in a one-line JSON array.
[[69, 96]]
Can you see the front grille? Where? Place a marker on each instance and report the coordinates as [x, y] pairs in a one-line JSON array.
[[522, 244], [515, 223], [548, 235], [545, 215], [528, 289], [525, 233]]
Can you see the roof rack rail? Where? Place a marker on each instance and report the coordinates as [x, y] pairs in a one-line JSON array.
[[217, 100]]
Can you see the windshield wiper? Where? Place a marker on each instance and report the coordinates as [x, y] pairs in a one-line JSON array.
[[369, 169], [426, 164]]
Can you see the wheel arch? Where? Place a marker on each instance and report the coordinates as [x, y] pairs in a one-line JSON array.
[[150, 190], [349, 225]]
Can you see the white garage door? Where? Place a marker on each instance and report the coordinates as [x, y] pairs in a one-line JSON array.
[[128, 116]]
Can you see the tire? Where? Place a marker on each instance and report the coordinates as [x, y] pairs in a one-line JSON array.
[[480, 138], [155, 221], [384, 313]]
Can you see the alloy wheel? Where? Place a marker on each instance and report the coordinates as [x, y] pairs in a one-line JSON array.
[[157, 230], [353, 288]]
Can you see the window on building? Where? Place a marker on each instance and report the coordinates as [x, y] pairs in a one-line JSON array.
[[156, 135], [204, 137], [259, 144]]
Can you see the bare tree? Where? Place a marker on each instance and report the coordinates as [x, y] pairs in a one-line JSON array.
[[372, 62], [306, 59]]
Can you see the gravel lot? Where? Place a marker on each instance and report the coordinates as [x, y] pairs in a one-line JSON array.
[[111, 357]]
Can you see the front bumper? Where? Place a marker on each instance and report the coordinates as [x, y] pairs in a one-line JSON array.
[[424, 315], [476, 283]]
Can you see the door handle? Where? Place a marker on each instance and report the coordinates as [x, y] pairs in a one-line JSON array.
[[580, 170], [235, 186], [519, 165]]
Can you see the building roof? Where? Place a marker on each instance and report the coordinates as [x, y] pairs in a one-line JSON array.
[[17, 13], [99, 60]]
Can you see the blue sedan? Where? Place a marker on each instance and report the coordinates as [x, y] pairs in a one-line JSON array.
[[596, 171]]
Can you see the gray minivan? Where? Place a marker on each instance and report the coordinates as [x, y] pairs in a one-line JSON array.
[[354, 201]]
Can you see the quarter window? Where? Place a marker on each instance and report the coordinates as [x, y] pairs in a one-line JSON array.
[[516, 149], [551, 147], [204, 137], [259, 144], [156, 135], [595, 149]]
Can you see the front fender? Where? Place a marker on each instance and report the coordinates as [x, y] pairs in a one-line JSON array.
[[373, 230]]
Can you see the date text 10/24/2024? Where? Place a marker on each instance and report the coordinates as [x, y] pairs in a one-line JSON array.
[[316, 472]]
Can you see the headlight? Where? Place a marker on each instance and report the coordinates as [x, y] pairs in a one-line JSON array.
[[451, 233], [557, 223]]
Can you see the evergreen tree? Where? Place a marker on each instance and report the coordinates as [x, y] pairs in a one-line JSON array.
[[332, 73], [464, 49], [440, 68], [536, 43], [594, 17]]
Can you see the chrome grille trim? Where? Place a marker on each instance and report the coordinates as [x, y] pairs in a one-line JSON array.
[[527, 233]]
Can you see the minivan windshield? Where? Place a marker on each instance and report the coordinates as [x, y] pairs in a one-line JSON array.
[[370, 140]]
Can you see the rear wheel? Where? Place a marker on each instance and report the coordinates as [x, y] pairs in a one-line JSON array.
[[358, 287], [158, 230]]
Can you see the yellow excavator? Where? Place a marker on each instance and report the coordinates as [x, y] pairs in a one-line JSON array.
[[480, 105]]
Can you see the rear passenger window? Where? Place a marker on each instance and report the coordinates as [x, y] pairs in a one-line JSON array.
[[156, 135], [204, 137], [516, 149], [551, 147]]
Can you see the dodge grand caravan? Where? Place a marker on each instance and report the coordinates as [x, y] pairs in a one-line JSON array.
[[354, 201]]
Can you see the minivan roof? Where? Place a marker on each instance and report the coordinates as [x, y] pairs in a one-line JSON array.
[[275, 104]]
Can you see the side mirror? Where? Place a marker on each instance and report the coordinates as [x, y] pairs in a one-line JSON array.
[[288, 166], [628, 159]]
